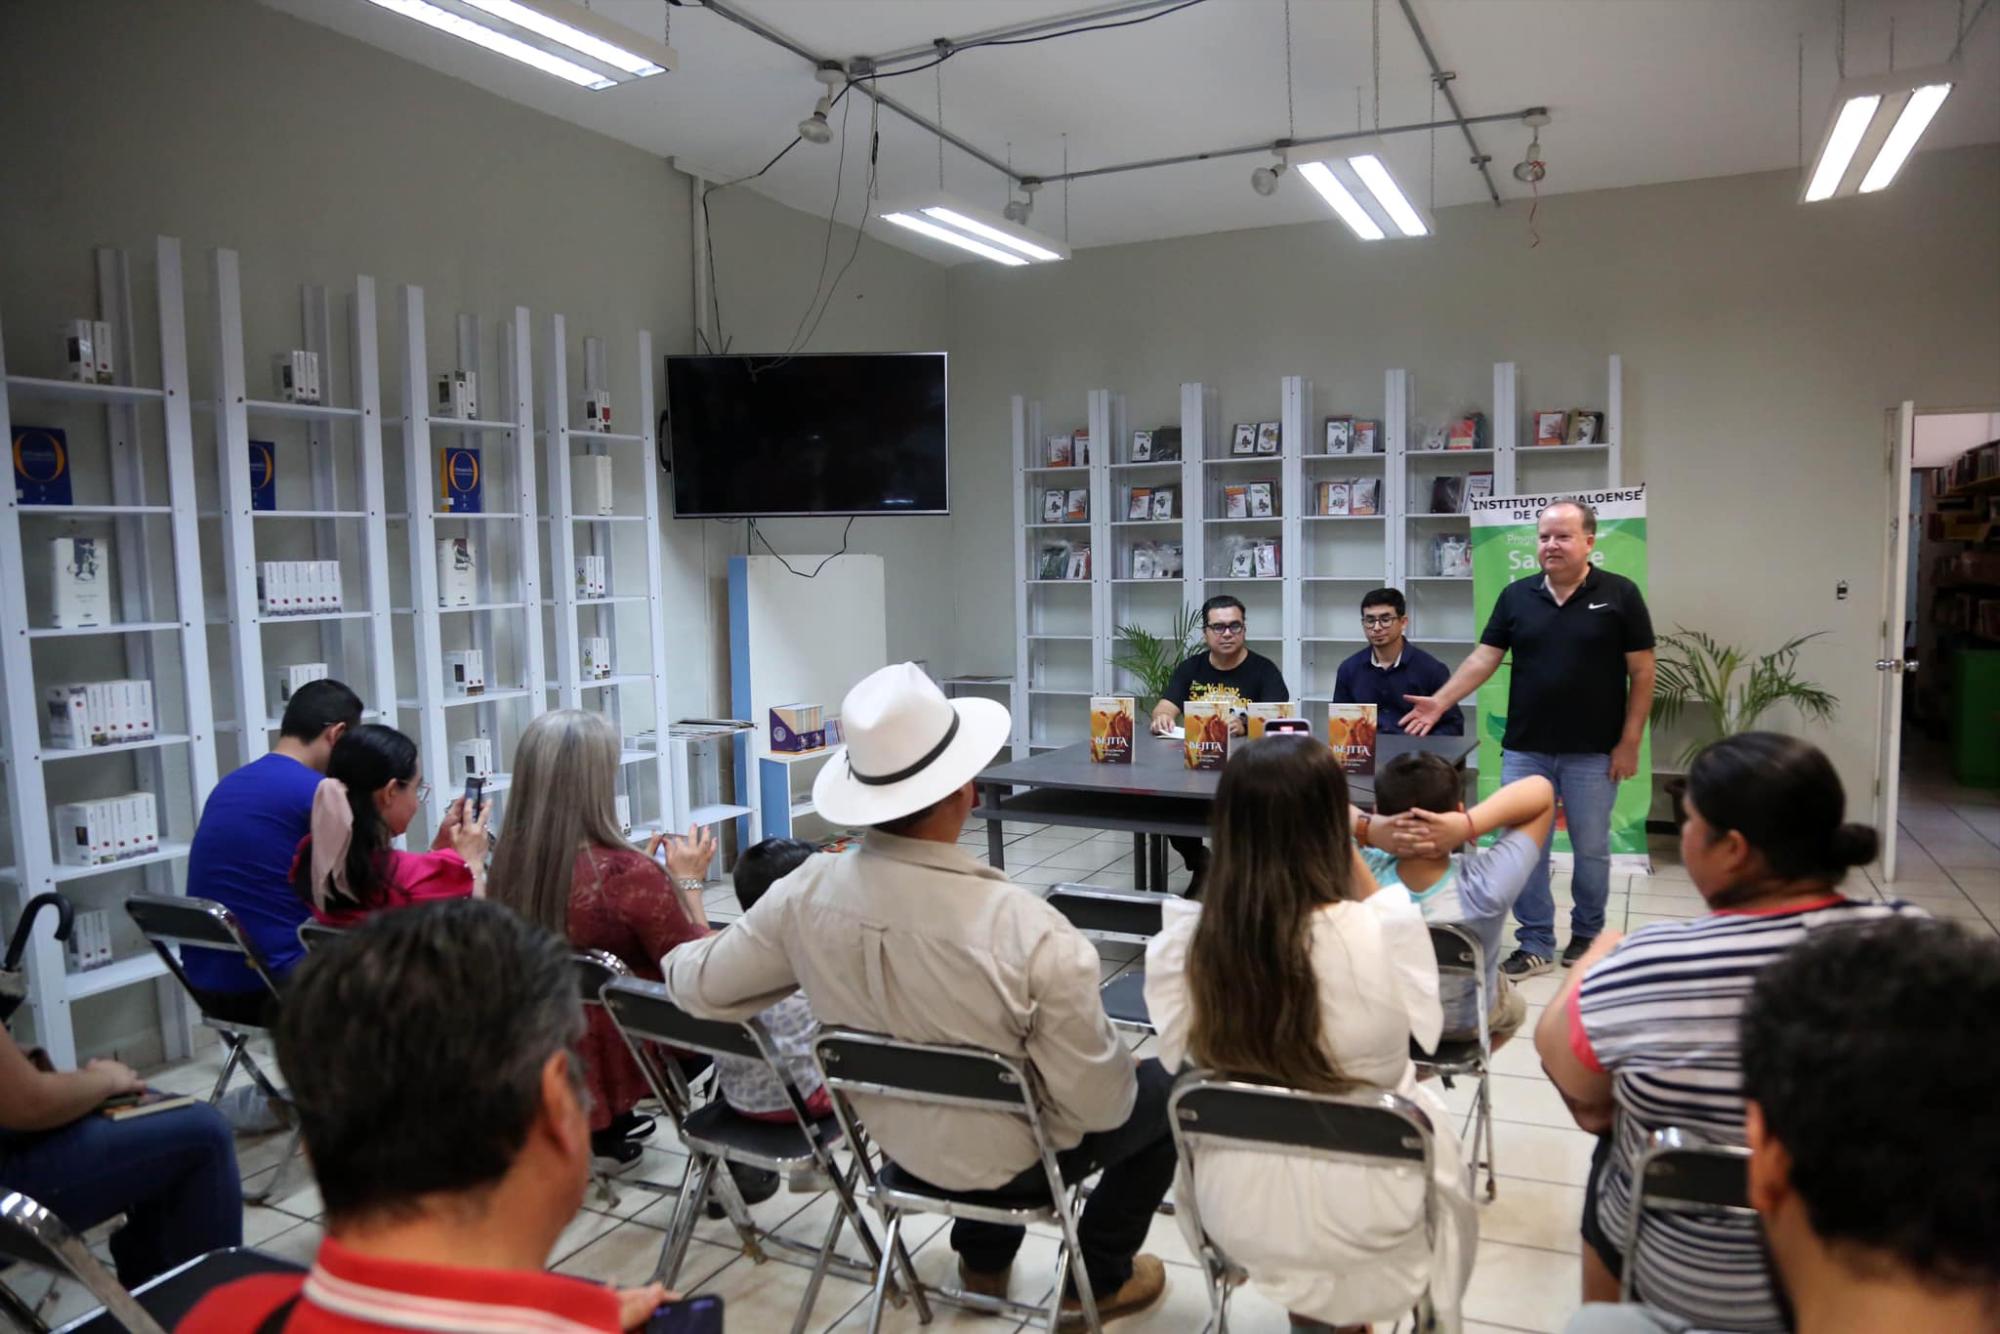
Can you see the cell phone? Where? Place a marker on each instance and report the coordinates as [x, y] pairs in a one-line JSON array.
[[475, 789], [690, 1315], [1283, 726]]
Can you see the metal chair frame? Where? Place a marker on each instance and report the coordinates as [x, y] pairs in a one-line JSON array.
[[1398, 1114], [1680, 1173], [595, 970], [1017, 1092], [1094, 911], [622, 997], [314, 935], [31, 1235], [1459, 952], [218, 930]]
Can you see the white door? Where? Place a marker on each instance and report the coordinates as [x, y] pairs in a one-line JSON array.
[[1889, 659]]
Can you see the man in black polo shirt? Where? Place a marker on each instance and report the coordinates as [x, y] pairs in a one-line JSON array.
[[1226, 669], [1576, 710], [1391, 668]]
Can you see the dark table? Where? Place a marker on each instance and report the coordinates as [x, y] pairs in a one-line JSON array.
[[1153, 798]]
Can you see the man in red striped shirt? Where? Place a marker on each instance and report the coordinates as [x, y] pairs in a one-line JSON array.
[[431, 1056]]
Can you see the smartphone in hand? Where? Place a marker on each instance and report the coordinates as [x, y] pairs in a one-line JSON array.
[[475, 789], [690, 1315]]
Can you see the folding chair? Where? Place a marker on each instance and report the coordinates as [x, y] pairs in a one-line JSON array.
[[1127, 916], [1459, 956], [31, 1235], [952, 1078], [170, 920], [1374, 1129], [595, 969], [1679, 1173], [715, 1135], [314, 936]]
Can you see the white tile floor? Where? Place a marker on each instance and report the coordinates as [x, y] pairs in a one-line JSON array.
[[1527, 1272]]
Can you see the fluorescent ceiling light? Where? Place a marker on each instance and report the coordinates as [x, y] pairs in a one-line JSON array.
[[963, 242], [555, 36], [1383, 186], [1873, 128], [989, 235], [1323, 180]]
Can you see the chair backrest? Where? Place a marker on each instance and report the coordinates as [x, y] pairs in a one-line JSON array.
[[33, 1236], [852, 1061], [1108, 914], [595, 970], [318, 935], [644, 1012], [1679, 1173], [167, 920], [1371, 1127], [1457, 949]]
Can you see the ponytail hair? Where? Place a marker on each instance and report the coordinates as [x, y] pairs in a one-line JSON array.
[[1784, 797], [365, 760]]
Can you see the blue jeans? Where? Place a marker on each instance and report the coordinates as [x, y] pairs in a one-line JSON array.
[[1584, 787], [172, 1174]]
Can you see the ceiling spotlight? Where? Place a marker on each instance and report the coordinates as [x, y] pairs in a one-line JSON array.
[[1264, 180], [1530, 170], [814, 129], [1018, 211]]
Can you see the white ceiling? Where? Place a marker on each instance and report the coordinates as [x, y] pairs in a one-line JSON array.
[[1640, 91]]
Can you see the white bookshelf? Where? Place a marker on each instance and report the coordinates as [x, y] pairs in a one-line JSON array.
[[1063, 623], [135, 486], [1156, 603], [330, 505], [504, 622], [1529, 468], [632, 615]]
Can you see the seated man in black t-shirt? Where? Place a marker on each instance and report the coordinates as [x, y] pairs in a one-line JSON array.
[[1226, 670]]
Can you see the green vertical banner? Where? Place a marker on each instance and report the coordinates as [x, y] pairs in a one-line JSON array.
[[1503, 550]]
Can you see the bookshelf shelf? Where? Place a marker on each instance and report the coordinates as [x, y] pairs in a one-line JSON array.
[[39, 387], [67, 875], [125, 972], [303, 411], [480, 516], [117, 628], [312, 514], [69, 511], [54, 755]]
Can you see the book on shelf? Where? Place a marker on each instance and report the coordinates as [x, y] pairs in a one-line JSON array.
[[1451, 556], [1062, 453], [1260, 501], [460, 487], [263, 475], [1111, 720], [1339, 435], [1262, 713], [1270, 439], [1080, 447], [131, 1106], [1236, 501], [1142, 447], [1055, 504], [1156, 560], [1164, 501], [1478, 486], [1139, 503], [79, 582], [1447, 493], [1551, 428], [1205, 733], [41, 466], [1364, 496], [797, 728], [1264, 557], [1144, 554], [1243, 439], [1054, 562], [1351, 731], [1433, 438], [1468, 432], [1367, 436], [1336, 499], [1166, 444], [1079, 562], [1078, 508], [1585, 428], [1242, 561]]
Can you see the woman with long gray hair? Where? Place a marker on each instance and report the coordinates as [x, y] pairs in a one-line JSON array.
[[565, 865]]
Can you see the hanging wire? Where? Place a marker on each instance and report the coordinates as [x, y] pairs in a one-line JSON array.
[[937, 73], [1966, 26], [1802, 100], [667, 23], [1892, 41], [1291, 119], [1840, 40], [1434, 146], [1375, 35], [1065, 187]]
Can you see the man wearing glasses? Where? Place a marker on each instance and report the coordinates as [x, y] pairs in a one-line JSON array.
[[1391, 667], [1226, 670]]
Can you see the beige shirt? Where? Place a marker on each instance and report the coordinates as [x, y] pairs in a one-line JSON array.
[[918, 940]]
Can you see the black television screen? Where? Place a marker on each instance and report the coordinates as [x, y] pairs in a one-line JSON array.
[[750, 436]]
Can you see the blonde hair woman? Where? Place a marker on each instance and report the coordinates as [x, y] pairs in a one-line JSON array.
[[564, 865]]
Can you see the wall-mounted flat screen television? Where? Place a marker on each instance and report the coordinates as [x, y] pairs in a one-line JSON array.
[[838, 433]]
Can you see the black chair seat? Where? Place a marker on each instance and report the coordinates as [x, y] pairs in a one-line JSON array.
[[173, 1294], [1451, 1053], [718, 1124], [1124, 999], [1035, 1196]]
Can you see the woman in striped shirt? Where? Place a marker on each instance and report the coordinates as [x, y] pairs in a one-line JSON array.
[[1644, 1033]]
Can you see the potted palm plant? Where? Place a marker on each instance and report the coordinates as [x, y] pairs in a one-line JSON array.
[[1728, 689], [1151, 659]]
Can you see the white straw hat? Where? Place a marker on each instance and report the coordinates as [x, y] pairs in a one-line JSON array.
[[907, 747]]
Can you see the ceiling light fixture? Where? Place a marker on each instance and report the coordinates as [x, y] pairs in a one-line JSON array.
[[1018, 211], [1264, 180], [1360, 188], [1531, 170], [1873, 128], [814, 129], [1004, 240], [557, 37]]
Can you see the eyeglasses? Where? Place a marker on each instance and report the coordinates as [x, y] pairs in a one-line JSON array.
[[1224, 627], [423, 792], [1383, 621]]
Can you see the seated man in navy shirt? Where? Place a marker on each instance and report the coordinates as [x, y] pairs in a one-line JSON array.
[[242, 854], [1391, 667]]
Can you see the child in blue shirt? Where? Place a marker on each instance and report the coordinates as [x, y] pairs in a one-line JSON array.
[[1474, 888]]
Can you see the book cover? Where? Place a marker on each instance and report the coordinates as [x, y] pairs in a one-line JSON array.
[[1143, 557], [1078, 508], [1236, 501], [1336, 498], [1447, 493], [1339, 435], [1243, 562], [1243, 438], [1079, 562], [1080, 447], [1451, 556], [1142, 447], [1163, 501], [459, 484], [1263, 713], [1166, 444], [1269, 441], [1139, 503], [1111, 719], [1350, 729], [1467, 432], [1205, 733], [1054, 505], [1585, 428], [1260, 500], [796, 728], [1478, 486], [41, 466], [1434, 438], [1367, 436], [1264, 557], [263, 475], [1061, 452], [1365, 496], [128, 1106], [1551, 428], [1055, 561]]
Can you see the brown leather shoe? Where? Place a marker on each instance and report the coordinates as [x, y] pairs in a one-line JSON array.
[[1148, 1281], [982, 1282]]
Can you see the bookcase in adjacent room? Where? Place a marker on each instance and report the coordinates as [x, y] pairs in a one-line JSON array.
[[124, 482]]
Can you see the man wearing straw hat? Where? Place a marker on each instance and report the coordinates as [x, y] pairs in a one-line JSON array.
[[910, 936]]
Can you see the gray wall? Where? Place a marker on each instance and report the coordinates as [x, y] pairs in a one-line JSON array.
[[1761, 341]]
